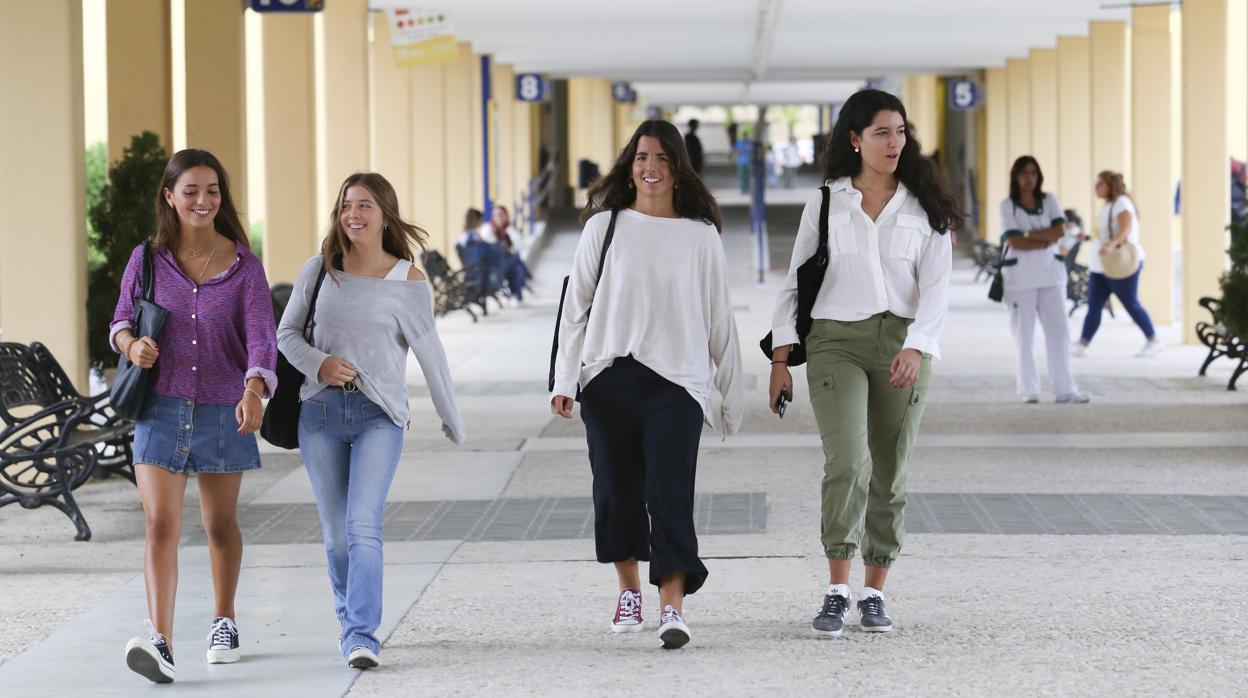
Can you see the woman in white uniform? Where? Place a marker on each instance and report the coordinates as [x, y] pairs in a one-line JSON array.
[[1034, 273]]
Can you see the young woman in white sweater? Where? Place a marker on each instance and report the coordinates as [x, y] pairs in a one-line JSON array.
[[642, 364]]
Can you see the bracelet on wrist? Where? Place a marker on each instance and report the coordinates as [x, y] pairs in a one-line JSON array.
[[253, 392], [781, 361]]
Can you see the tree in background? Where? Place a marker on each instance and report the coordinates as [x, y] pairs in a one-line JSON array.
[[1235, 283], [123, 215]]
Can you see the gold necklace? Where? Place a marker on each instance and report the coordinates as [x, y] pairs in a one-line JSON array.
[[192, 252], [876, 193], [203, 269]]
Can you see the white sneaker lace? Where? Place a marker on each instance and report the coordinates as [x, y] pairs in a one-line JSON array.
[[156, 637], [670, 614], [630, 606], [222, 632]]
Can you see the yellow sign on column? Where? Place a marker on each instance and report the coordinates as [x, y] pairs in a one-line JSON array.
[[421, 36]]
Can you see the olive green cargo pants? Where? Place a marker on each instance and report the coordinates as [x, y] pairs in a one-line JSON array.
[[868, 428]]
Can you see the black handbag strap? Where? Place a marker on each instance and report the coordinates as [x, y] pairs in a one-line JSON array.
[[309, 321], [821, 252], [606, 245], [147, 279]]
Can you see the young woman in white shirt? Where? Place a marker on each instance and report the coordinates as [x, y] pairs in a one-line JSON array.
[[1119, 226], [661, 317], [877, 322], [1034, 272]]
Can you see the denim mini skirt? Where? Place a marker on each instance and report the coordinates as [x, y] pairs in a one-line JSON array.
[[184, 437]]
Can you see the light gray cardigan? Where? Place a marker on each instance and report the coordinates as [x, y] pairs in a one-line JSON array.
[[371, 323]]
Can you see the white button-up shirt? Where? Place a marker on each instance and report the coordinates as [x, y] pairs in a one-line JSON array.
[[895, 263]]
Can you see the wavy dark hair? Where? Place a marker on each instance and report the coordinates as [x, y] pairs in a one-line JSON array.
[[169, 227], [944, 213], [615, 191], [1016, 194], [397, 235]]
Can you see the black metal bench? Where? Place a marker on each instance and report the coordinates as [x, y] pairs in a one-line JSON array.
[[987, 257], [1221, 342], [53, 438], [452, 290]]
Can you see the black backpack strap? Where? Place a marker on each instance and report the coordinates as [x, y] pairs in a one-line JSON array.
[[821, 252]]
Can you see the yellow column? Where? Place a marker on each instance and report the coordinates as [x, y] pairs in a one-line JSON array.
[[590, 125], [1206, 148], [1073, 183], [391, 120], [43, 237], [923, 107], [429, 156], [1237, 80], [996, 174], [504, 78], [1111, 97], [140, 74], [293, 226], [1154, 172], [522, 146], [1044, 101], [461, 131], [216, 89], [344, 133], [1018, 85]]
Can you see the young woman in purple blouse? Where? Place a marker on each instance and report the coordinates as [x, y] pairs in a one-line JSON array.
[[212, 364]]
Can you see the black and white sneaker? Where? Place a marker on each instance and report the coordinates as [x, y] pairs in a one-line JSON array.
[[223, 642], [830, 621], [673, 632], [151, 656], [362, 657], [871, 615]]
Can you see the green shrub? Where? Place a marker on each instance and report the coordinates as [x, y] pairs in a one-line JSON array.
[[255, 237], [123, 216], [1235, 283], [97, 177]]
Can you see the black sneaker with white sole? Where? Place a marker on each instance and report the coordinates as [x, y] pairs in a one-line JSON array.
[[223, 642], [871, 615], [151, 656], [673, 632], [830, 621]]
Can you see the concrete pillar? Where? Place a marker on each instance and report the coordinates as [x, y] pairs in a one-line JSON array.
[[390, 128], [1206, 149], [461, 139], [996, 173], [1154, 173], [342, 54], [500, 152], [429, 157], [43, 236], [591, 125], [1074, 174], [1111, 97], [216, 88], [924, 107], [293, 227], [140, 73], [1018, 86], [1044, 101]]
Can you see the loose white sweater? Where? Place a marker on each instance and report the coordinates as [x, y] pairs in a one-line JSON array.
[[663, 298]]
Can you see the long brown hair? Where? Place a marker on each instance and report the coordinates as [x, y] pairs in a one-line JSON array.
[[691, 198], [397, 235], [944, 213], [1116, 185], [169, 226]]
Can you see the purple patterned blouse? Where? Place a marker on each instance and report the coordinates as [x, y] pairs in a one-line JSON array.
[[219, 334]]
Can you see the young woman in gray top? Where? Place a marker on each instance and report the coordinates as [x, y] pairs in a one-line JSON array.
[[373, 306]]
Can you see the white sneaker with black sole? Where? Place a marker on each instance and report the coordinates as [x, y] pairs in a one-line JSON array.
[[223, 642], [362, 657], [673, 633], [151, 656]]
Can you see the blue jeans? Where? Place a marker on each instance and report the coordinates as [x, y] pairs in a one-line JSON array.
[[1127, 290], [351, 450]]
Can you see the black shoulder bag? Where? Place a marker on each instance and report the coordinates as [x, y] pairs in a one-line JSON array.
[[281, 415], [554, 344], [132, 384], [809, 281]]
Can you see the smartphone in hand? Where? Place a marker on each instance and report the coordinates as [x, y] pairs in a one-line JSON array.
[[781, 402]]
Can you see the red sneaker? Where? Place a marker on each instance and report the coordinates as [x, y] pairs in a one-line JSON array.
[[627, 612]]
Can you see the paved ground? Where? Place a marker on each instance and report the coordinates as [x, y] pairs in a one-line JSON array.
[[1054, 549]]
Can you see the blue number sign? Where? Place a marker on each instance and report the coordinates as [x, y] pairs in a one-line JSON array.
[[623, 92], [531, 87], [965, 95], [287, 5]]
